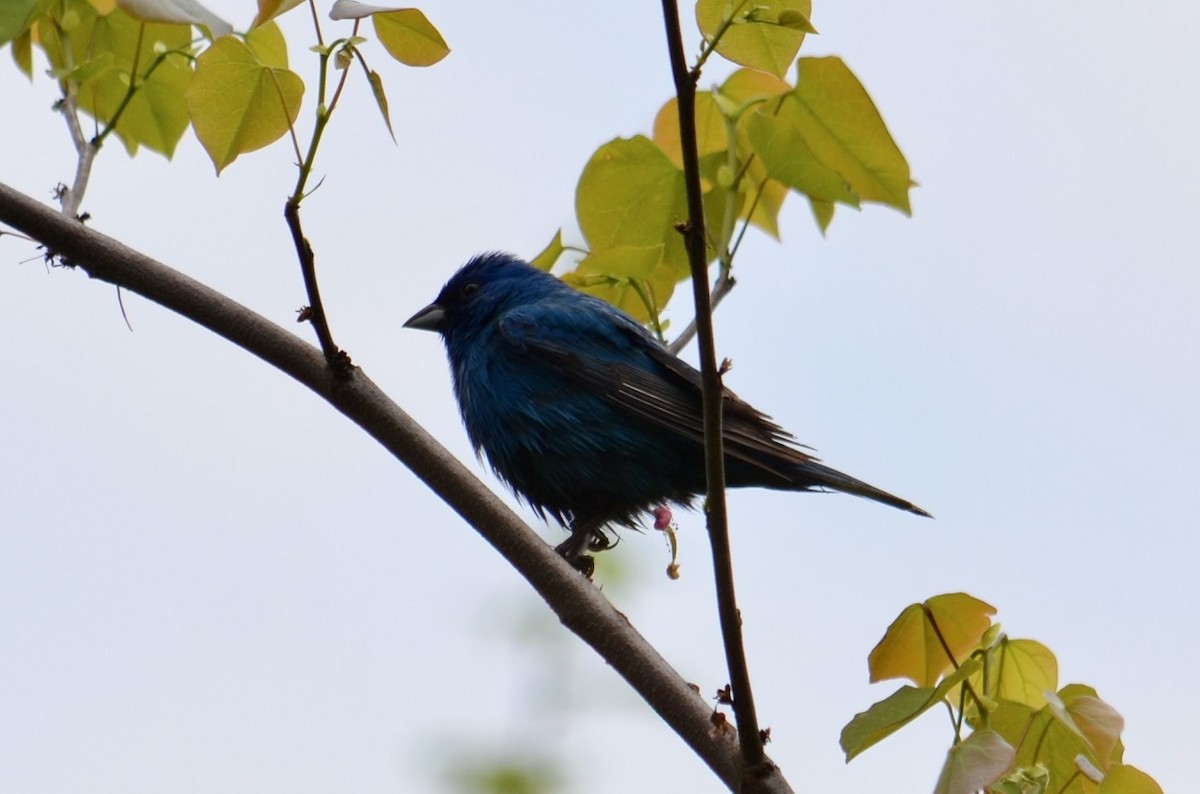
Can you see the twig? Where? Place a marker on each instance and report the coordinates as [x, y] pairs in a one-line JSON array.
[[579, 604], [338, 359], [755, 767], [72, 197], [721, 287]]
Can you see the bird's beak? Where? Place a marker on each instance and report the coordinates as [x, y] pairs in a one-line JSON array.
[[431, 318]]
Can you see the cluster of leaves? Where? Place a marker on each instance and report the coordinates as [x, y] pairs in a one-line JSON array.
[[146, 70], [1026, 735], [759, 138]]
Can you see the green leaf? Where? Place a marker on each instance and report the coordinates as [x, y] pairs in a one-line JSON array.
[[1026, 780], [86, 71], [631, 195], [380, 99], [822, 211], [22, 53], [897, 710], [631, 278], [974, 763], [409, 37], [841, 126], [764, 34], [1123, 779], [16, 17], [912, 647], [550, 254], [239, 104], [156, 116]]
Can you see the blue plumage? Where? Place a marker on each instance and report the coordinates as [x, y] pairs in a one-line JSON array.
[[585, 415]]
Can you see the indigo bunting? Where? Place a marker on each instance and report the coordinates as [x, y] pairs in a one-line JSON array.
[[585, 415]]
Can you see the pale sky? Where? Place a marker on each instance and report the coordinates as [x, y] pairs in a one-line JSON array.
[[210, 581]]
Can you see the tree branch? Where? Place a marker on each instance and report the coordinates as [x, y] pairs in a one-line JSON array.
[[721, 287], [756, 768], [338, 359], [85, 153], [578, 603]]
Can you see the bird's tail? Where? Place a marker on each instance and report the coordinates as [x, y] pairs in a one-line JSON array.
[[824, 477]]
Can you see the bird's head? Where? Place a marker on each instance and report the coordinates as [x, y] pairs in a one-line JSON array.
[[487, 286]]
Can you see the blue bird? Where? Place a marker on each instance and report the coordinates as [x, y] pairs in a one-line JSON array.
[[586, 416]]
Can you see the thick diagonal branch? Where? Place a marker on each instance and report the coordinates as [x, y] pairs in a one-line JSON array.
[[578, 603]]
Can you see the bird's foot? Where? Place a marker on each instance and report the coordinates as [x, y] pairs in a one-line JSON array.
[[585, 540]]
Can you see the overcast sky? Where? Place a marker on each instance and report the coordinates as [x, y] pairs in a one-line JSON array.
[[209, 581]]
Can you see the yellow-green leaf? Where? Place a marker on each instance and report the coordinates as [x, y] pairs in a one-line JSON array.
[[268, 45], [154, 115], [1123, 779], [763, 199], [409, 37], [1046, 742], [841, 126], [269, 9], [917, 644], [764, 196], [550, 254], [897, 710], [974, 763], [796, 20], [1022, 671], [710, 128], [747, 84], [239, 104], [22, 53], [776, 136], [631, 195], [631, 278], [763, 34], [822, 211]]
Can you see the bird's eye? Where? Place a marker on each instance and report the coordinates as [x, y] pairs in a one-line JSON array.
[[470, 289]]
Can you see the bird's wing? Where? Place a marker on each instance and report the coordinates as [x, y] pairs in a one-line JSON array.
[[616, 359]]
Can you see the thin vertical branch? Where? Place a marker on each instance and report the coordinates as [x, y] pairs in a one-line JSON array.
[[755, 766], [70, 198], [338, 359]]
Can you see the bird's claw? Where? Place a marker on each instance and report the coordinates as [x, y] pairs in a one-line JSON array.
[[589, 540]]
